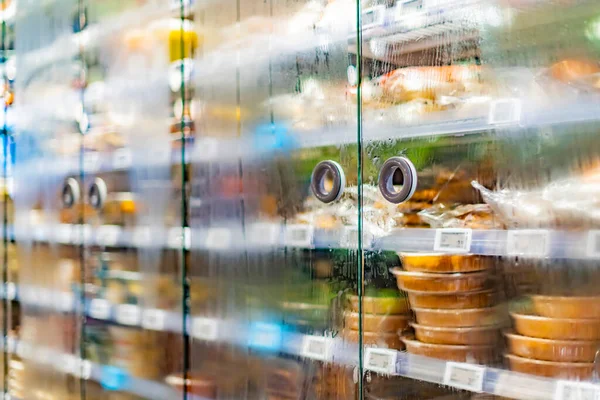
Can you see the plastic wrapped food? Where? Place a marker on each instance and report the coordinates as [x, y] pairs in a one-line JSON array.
[[552, 350], [550, 369], [452, 335], [566, 306], [555, 328], [474, 216], [388, 340], [481, 354], [377, 323], [452, 301], [461, 317], [380, 305], [441, 283], [444, 263]]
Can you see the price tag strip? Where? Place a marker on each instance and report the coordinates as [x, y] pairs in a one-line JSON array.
[[593, 244], [572, 390], [316, 347], [528, 243], [299, 235], [381, 360], [154, 319], [464, 376], [218, 239], [108, 235], [205, 328], [452, 240], [99, 309], [128, 314]]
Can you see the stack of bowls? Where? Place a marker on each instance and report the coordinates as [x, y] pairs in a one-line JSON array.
[[453, 299], [384, 318], [559, 337]]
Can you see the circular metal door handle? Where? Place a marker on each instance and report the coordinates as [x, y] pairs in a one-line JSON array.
[[389, 170], [97, 193], [323, 171], [70, 193]]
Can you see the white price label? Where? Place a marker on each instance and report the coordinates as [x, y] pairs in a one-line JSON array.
[[122, 159], [505, 111], [44, 297], [205, 328], [63, 233], [82, 369], [179, 237], [128, 314], [11, 343], [381, 360], [141, 236], [24, 350], [349, 237], [264, 234], [65, 301], [299, 235], [100, 309], [453, 240], [528, 243], [464, 376], [218, 238], [69, 364], [593, 244], [373, 16], [153, 319], [11, 291], [39, 233], [91, 162], [206, 149], [108, 235], [81, 233], [571, 390], [316, 347]]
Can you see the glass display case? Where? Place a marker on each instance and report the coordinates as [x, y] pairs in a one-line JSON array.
[[300, 199]]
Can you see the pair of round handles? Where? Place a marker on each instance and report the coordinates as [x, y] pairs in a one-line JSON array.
[[96, 193], [330, 170]]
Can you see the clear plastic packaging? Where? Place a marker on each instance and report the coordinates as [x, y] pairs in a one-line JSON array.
[[555, 328], [552, 350], [474, 317], [441, 283], [446, 335]]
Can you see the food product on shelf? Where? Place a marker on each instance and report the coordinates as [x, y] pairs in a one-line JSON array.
[[197, 385], [566, 306], [582, 351], [379, 305], [441, 283], [441, 262], [453, 301], [387, 340], [563, 370], [481, 354], [556, 328], [469, 317], [451, 335], [376, 323], [474, 216]]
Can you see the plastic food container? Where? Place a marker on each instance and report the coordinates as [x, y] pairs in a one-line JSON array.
[[550, 369], [470, 317], [552, 350], [555, 328], [441, 283], [461, 353], [567, 307], [380, 305], [443, 263], [443, 335], [389, 340], [452, 301], [377, 323]]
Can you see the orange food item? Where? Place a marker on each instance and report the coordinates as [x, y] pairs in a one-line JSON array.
[[445, 335], [461, 353], [570, 70], [550, 369], [552, 350], [567, 307], [461, 317], [389, 340], [380, 305], [554, 328], [440, 263], [452, 301], [440, 283], [377, 323]]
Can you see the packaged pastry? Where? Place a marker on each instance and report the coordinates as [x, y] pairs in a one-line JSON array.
[[379, 305], [376, 323], [556, 328], [551, 369], [475, 216], [389, 340], [442, 263], [452, 301], [480, 354], [441, 283], [582, 351], [566, 306], [449, 335], [469, 317]]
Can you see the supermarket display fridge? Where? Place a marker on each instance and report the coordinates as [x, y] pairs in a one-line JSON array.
[[301, 199]]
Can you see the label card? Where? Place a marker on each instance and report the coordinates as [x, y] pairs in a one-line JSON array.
[[128, 314], [572, 390], [205, 328], [316, 347], [505, 111], [141, 236], [99, 309], [153, 319], [122, 159], [528, 243], [108, 235], [453, 240], [63, 233], [299, 235], [593, 244], [11, 291], [381, 360], [218, 239], [264, 234], [464, 376]]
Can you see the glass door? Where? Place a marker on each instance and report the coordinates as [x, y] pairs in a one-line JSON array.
[[480, 148]]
